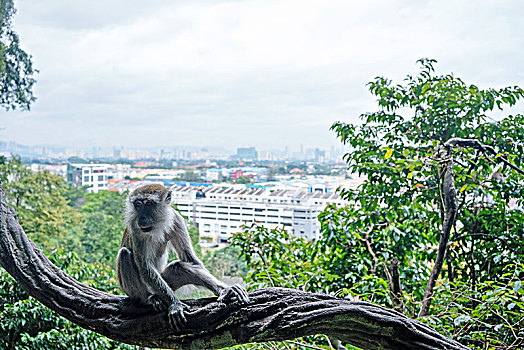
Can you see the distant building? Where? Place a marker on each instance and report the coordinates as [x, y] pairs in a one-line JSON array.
[[219, 174], [220, 211], [248, 153], [320, 156], [56, 169], [215, 174], [117, 153], [94, 176]]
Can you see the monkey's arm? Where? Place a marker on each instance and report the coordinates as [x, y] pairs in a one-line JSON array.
[[156, 284], [181, 242]]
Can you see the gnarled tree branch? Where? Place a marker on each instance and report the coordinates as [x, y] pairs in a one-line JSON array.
[[272, 313]]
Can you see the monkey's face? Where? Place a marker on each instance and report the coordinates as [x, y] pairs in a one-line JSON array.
[[146, 210]]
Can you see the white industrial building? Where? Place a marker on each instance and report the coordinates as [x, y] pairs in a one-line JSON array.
[[220, 211]]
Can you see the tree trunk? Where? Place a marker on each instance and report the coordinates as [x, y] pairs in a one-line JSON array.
[[272, 314], [449, 199]]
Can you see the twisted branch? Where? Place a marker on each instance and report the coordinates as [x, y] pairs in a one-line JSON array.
[[272, 314]]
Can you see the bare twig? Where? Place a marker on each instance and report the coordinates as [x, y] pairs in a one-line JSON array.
[[483, 148], [398, 304], [369, 248], [395, 288]]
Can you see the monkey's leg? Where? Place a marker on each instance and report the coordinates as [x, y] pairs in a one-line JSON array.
[[179, 273], [129, 277]]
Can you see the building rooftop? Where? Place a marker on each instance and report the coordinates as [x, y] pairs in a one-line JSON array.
[[237, 191]]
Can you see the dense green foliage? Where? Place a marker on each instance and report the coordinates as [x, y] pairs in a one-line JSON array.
[[25, 324], [16, 67], [40, 200], [397, 212], [102, 226]]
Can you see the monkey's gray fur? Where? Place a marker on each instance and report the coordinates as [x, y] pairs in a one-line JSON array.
[[153, 228]]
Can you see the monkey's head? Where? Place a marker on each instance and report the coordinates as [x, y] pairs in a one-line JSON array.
[[147, 207]]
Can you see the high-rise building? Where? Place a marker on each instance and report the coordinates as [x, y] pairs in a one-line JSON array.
[[117, 153], [247, 153]]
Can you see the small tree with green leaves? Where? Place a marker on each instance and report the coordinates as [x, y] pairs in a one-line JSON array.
[[40, 199], [16, 68], [443, 184], [102, 227]]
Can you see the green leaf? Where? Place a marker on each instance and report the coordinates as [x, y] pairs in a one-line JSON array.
[[463, 188], [388, 153], [461, 319], [516, 286]]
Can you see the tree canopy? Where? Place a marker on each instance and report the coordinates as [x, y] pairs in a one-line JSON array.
[[435, 229], [17, 75]]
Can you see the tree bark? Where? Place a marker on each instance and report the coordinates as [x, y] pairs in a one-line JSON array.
[[272, 314], [449, 199]]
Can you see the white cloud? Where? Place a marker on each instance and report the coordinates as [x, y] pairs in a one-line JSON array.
[[267, 73]]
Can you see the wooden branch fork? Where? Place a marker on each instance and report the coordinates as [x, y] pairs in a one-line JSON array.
[[272, 314]]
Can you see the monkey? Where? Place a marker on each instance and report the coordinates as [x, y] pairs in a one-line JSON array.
[[152, 229]]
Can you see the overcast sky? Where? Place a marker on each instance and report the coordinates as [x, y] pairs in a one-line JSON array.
[[258, 73]]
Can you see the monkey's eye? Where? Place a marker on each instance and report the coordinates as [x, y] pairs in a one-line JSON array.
[[138, 204]]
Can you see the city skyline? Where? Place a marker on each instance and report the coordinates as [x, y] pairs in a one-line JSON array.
[[241, 73], [50, 152]]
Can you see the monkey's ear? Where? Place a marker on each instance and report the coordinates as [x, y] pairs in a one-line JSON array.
[[168, 197]]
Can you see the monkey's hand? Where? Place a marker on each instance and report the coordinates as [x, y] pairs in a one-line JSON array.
[[175, 313], [157, 302], [235, 294]]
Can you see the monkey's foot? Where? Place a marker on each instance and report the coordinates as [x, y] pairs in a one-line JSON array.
[[235, 294], [157, 303]]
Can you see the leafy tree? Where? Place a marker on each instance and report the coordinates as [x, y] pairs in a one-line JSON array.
[[11, 170], [16, 68], [102, 226], [189, 175], [397, 213], [243, 180], [40, 201], [399, 208]]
